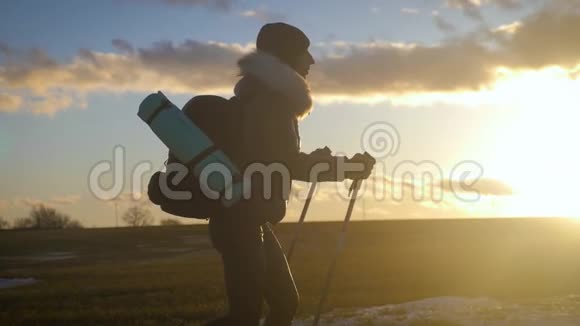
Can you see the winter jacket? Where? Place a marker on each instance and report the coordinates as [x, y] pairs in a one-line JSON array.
[[273, 99]]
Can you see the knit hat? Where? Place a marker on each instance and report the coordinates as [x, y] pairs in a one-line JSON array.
[[283, 41]]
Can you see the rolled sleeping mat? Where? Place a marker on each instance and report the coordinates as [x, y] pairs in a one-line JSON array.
[[190, 145]]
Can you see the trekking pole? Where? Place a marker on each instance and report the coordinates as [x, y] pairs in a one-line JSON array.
[[339, 247], [301, 221]]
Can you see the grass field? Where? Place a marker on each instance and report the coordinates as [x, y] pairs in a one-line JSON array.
[[172, 276]]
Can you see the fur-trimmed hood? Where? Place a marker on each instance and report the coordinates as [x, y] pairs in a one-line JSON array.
[[278, 77]]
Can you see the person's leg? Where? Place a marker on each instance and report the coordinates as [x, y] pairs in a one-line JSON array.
[[240, 244], [280, 292]]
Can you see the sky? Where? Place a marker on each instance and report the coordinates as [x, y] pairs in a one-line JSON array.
[[480, 94]]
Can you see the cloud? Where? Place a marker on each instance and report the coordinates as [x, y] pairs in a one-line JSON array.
[[508, 29], [45, 86], [485, 187], [546, 38], [326, 192], [508, 4], [450, 190], [33, 81], [263, 14], [66, 200], [131, 198], [54, 103], [30, 202], [442, 24], [223, 5], [472, 8], [388, 187], [54, 201], [4, 204], [10, 103], [123, 46], [394, 197], [249, 13], [410, 11], [386, 68]]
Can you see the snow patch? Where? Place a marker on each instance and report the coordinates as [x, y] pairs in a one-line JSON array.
[[458, 311], [46, 257]]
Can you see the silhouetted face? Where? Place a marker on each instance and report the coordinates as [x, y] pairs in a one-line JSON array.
[[303, 63]]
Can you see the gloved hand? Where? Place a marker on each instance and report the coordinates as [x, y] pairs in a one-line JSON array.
[[322, 152], [365, 164]]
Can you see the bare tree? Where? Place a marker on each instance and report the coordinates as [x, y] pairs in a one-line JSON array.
[[42, 217], [74, 224], [138, 216], [169, 221], [49, 218], [23, 223], [4, 224]]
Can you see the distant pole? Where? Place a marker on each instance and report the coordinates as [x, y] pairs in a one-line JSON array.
[[116, 213]]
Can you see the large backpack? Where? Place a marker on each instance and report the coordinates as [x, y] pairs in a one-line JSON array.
[[221, 120]]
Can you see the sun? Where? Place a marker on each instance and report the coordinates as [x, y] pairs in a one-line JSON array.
[[537, 152]]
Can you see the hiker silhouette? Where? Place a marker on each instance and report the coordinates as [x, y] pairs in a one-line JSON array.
[[275, 96]]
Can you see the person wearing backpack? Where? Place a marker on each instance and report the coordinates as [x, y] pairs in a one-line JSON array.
[[274, 96]]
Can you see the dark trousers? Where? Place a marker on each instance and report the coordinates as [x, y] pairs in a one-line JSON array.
[[255, 269]]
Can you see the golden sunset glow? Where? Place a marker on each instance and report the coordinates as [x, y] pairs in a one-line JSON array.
[[464, 84], [537, 153], [335, 162]]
